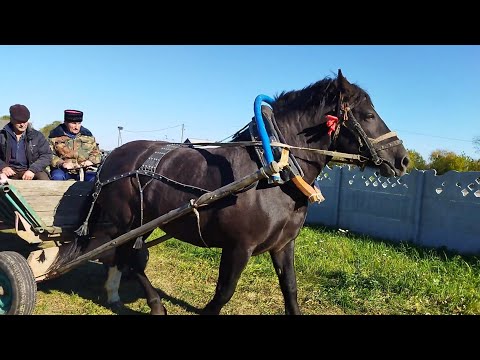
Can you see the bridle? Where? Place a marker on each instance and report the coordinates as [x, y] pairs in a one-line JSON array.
[[348, 120]]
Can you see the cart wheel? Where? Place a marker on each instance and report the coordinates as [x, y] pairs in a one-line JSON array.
[[18, 289]]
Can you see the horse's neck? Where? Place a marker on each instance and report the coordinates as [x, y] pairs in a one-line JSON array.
[[311, 162]]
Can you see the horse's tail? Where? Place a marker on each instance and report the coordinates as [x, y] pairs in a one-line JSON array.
[[70, 251]]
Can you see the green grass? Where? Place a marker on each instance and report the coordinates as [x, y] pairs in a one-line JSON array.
[[337, 273]]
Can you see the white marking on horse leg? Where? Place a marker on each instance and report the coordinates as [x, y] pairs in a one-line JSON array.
[[112, 284]]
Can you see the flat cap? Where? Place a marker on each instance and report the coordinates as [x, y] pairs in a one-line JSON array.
[[19, 113]]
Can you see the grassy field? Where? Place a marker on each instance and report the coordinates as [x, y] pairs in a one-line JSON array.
[[337, 273]]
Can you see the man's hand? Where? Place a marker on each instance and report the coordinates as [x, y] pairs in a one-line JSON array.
[[28, 175], [8, 171], [3, 178], [69, 165], [86, 163]]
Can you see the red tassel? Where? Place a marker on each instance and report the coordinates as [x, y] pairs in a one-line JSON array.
[[332, 122]]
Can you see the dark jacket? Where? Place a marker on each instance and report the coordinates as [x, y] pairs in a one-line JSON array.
[[38, 152]]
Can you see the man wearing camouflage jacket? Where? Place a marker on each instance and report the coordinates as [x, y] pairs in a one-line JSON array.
[[73, 147]]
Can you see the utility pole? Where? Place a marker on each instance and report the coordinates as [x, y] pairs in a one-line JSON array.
[[120, 128], [183, 128]]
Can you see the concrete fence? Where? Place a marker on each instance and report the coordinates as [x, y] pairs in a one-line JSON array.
[[420, 207]]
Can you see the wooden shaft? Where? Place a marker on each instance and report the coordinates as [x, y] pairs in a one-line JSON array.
[[313, 194]]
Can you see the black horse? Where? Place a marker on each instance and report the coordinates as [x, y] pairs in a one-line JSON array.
[[263, 217]]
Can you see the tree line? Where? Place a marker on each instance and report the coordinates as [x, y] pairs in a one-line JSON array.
[[443, 161]]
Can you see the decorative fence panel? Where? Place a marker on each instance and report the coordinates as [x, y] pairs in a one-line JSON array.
[[420, 207]]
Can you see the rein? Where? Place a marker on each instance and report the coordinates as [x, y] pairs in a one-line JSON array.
[[275, 144]]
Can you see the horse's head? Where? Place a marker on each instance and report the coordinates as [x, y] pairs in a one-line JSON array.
[[362, 131]]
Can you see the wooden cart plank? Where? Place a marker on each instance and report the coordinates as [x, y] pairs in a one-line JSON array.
[[51, 187], [56, 203]]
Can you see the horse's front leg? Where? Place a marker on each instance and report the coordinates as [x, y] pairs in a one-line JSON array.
[[232, 263], [136, 260], [284, 267], [153, 298]]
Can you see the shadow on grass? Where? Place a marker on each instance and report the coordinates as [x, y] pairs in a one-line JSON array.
[[180, 303], [87, 282]]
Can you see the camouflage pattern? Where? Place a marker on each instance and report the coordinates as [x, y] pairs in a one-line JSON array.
[[79, 149]]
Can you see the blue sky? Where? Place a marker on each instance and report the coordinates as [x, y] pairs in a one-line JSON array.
[[428, 94]]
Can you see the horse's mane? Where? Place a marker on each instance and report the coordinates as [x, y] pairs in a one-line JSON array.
[[304, 97], [313, 95]]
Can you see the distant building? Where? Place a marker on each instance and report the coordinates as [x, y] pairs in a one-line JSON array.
[[196, 141], [199, 141]]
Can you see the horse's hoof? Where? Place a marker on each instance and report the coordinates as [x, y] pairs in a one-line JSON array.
[[158, 310], [210, 311], [116, 306]]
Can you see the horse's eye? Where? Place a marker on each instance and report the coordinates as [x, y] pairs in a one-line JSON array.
[[370, 116]]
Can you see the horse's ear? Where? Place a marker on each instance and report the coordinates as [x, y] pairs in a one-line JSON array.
[[342, 83]]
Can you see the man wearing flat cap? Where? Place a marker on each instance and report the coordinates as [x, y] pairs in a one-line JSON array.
[[74, 147], [24, 151]]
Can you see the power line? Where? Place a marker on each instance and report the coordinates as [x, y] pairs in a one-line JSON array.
[[143, 131], [435, 136]]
